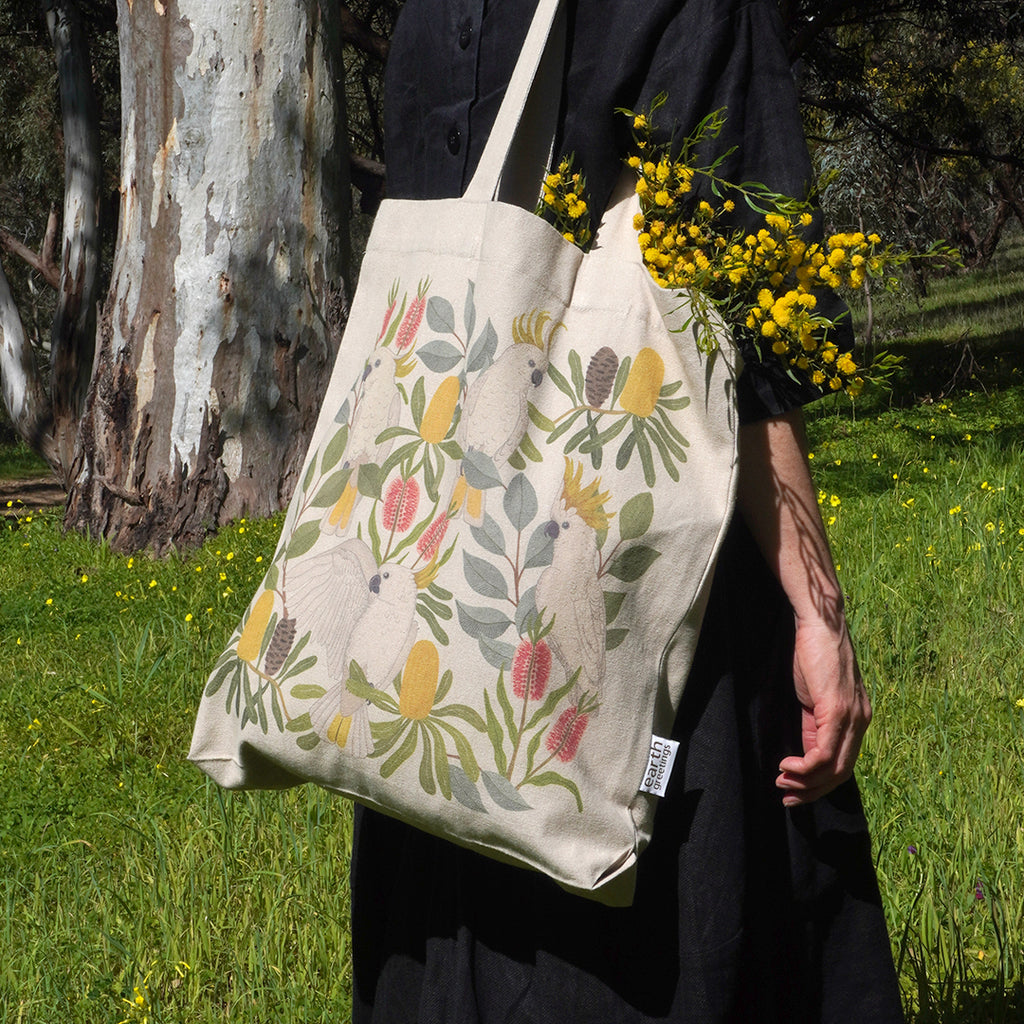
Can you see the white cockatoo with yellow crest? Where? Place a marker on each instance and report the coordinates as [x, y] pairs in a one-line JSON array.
[[378, 405], [496, 411], [358, 612], [569, 589]]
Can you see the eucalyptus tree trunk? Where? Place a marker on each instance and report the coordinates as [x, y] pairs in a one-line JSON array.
[[48, 421], [227, 295], [73, 337]]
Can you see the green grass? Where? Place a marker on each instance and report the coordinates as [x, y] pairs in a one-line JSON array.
[[19, 462], [122, 869]]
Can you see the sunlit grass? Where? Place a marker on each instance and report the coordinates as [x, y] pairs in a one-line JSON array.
[[123, 873], [925, 511], [131, 888]]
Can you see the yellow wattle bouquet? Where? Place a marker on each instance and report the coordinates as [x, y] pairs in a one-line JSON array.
[[766, 279]]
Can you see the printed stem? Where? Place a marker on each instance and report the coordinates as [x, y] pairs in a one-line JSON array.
[[522, 726], [594, 409], [276, 685]]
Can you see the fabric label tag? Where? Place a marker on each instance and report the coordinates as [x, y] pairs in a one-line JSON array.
[[659, 765]]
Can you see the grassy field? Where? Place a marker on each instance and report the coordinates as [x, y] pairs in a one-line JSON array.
[[132, 890]]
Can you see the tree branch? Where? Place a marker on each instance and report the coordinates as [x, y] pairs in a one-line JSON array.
[[880, 126], [42, 262], [358, 34], [368, 177]]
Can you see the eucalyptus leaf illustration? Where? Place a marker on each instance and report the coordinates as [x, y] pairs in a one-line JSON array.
[[526, 611], [497, 653], [440, 315], [481, 355], [520, 502], [636, 515], [334, 450], [480, 470], [331, 490], [439, 356], [303, 539], [631, 564], [539, 548], [613, 600], [489, 535], [503, 793], [482, 622], [464, 791], [486, 579]]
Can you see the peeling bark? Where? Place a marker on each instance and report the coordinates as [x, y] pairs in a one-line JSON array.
[[227, 296]]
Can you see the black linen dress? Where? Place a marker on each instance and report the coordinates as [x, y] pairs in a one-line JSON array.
[[745, 912]]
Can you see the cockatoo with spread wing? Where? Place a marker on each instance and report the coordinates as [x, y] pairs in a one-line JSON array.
[[378, 406], [569, 588], [358, 612], [496, 414]]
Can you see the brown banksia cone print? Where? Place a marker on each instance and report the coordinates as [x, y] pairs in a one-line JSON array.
[[280, 645], [604, 364]]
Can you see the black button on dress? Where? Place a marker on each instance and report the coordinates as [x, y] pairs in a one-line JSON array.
[[745, 912]]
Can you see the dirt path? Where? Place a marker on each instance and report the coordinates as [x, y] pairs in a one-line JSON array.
[[34, 493]]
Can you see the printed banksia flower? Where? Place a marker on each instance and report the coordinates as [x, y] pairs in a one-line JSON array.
[[251, 640], [531, 668], [601, 370], [400, 503], [419, 681], [643, 385], [565, 735], [280, 646], [441, 410], [431, 538]]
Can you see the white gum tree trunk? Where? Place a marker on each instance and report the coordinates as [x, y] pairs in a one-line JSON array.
[[72, 340], [48, 420], [227, 295]]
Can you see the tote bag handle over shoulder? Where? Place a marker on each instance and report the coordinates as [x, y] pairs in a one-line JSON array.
[[518, 149]]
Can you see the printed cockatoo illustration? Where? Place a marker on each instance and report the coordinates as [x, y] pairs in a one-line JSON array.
[[378, 406], [357, 612], [569, 588], [495, 415]]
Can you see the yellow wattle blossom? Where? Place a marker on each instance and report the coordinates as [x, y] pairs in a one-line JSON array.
[[763, 277]]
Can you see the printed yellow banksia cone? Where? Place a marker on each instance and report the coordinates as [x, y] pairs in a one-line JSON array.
[[438, 417], [251, 640], [419, 681], [643, 385]]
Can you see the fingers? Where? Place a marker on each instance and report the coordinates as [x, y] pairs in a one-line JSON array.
[[831, 751]]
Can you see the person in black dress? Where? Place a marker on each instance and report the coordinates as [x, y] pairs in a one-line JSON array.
[[756, 901]]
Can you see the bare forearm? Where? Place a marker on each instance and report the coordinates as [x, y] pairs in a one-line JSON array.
[[777, 500]]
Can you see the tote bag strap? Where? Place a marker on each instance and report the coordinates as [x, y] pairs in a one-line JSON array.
[[518, 149]]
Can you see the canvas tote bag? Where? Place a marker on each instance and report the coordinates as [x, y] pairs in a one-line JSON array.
[[491, 577]]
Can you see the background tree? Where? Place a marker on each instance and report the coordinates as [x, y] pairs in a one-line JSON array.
[[923, 103], [227, 293]]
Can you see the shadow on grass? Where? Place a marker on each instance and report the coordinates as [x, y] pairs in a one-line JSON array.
[[937, 369], [985, 1003]]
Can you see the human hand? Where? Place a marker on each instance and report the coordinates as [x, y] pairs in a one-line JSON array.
[[835, 711]]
